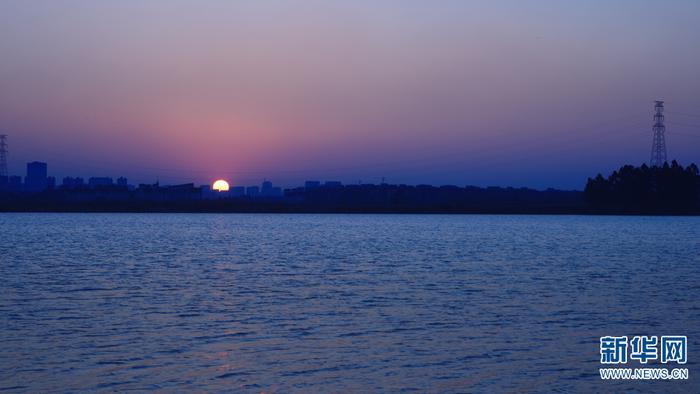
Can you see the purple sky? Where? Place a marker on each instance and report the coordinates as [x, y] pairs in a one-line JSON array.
[[522, 93]]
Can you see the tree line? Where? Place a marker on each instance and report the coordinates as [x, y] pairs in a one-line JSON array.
[[667, 189]]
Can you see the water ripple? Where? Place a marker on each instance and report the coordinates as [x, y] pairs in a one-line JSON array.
[[337, 303]]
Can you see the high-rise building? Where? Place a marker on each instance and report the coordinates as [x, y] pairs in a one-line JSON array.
[[205, 191], [36, 179], [266, 189]]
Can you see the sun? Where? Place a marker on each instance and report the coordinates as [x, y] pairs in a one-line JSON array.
[[220, 186]]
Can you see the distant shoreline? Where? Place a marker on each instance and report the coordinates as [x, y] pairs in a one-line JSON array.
[[221, 207], [671, 190]]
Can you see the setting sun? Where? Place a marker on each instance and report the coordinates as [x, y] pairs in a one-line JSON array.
[[220, 186]]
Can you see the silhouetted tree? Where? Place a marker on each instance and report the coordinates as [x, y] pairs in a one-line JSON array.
[[667, 189]]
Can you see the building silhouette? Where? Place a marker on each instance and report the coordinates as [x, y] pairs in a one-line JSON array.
[[308, 185], [14, 183], [11, 183], [266, 189], [72, 183], [36, 179], [100, 181], [252, 191], [102, 193], [237, 191]]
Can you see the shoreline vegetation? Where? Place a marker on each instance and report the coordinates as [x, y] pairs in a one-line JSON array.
[[668, 190]]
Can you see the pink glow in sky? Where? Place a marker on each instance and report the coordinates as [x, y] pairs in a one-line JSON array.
[[536, 93]]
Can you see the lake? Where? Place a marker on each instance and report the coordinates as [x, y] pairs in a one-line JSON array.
[[338, 303]]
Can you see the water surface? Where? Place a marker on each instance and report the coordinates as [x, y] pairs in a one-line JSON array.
[[338, 303]]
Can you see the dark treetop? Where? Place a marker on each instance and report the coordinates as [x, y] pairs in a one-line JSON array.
[[670, 189]]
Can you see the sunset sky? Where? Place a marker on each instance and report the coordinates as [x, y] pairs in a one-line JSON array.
[[522, 93]]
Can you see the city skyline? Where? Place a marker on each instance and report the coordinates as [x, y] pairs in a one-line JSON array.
[[37, 178], [542, 94]]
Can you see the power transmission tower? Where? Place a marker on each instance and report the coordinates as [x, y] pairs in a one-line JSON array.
[[658, 145], [3, 155]]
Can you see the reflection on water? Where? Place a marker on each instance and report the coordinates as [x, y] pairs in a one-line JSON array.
[[337, 303]]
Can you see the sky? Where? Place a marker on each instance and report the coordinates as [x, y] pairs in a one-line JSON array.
[[509, 93]]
